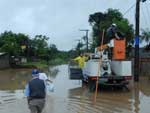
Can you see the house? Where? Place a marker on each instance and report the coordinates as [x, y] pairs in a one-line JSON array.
[[4, 60], [144, 62]]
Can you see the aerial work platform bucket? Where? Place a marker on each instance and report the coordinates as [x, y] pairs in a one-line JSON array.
[[119, 49]]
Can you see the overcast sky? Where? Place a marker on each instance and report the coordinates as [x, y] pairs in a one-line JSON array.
[[60, 19]]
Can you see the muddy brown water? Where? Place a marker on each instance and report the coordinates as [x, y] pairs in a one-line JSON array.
[[70, 96]]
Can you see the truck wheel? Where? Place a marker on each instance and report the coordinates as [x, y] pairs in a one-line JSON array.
[[91, 85]]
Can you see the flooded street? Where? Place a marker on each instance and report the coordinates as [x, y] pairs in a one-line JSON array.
[[70, 96]]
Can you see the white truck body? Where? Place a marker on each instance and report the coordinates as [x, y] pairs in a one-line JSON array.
[[121, 68], [91, 68]]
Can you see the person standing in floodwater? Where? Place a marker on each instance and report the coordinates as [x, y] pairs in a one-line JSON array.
[[81, 60], [36, 92]]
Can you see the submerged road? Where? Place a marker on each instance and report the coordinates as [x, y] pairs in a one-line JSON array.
[[70, 96]]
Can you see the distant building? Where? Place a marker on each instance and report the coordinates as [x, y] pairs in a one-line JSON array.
[[144, 56], [143, 53], [144, 62], [4, 60]]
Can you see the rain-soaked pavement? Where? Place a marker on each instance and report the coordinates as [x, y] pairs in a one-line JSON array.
[[70, 96]]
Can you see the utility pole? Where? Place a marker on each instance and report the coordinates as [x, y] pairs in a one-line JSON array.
[[79, 46], [137, 26], [87, 41]]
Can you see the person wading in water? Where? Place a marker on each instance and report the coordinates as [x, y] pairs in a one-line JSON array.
[[36, 92]]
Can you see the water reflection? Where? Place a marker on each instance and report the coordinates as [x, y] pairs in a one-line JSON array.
[[107, 102], [52, 72], [135, 101], [71, 96], [14, 79]]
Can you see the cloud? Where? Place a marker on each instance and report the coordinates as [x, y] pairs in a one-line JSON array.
[[58, 19]]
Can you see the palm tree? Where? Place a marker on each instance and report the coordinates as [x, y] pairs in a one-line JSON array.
[[145, 36]]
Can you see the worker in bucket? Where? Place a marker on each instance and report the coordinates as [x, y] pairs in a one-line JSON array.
[[112, 32], [81, 60], [36, 92]]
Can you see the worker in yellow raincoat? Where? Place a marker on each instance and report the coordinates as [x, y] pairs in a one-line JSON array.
[[81, 60]]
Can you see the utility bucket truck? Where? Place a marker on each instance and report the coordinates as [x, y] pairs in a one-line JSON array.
[[112, 71]]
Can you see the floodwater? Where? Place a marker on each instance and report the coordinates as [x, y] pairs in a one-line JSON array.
[[70, 96]]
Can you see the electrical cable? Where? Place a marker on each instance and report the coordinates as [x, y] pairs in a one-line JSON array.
[[144, 17], [148, 12], [129, 9]]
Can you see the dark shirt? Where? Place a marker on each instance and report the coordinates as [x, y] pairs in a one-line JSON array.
[[37, 88]]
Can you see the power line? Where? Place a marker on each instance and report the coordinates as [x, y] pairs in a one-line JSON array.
[[129, 9], [87, 42], [144, 17], [148, 12]]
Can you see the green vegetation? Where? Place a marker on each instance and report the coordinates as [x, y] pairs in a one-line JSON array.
[[100, 21], [40, 53], [39, 64], [146, 36], [37, 50], [22, 45]]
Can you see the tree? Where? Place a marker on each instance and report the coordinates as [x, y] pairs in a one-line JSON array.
[[53, 51], [79, 47], [39, 45], [22, 45], [145, 36], [11, 42], [100, 21]]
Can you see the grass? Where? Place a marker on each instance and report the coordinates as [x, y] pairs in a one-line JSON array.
[[38, 64], [43, 64]]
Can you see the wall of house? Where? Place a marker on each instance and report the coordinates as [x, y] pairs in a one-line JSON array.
[[4, 61], [145, 68]]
